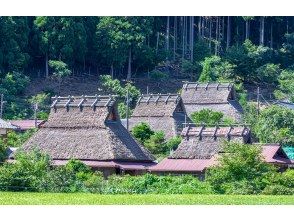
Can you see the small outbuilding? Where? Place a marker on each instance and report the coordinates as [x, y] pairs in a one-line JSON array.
[[215, 96], [24, 125], [5, 127], [163, 112], [88, 128]]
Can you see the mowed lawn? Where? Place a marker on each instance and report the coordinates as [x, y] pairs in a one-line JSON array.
[[28, 198]]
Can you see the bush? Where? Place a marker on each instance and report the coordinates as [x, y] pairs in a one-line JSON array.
[[268, 73], [215, 69], [142, 132], [241, 170], [173, 143], [122, 110], [207, 116], [15, 139], [286, 85], [3, 150], [158, 75], [156, 143]]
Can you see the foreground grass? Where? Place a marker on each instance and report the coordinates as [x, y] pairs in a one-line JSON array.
[[27, 198]]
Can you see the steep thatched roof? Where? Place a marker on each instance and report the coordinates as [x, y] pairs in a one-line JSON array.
[[164, 112], [215, 96], [86, 128], [204, 142]]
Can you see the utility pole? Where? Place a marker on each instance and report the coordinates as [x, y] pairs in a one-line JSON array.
[[127, 113], [258, 100], [35, 114]]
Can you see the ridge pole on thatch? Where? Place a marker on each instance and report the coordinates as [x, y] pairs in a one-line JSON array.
[[229, 133], [206, 87], [82, 101], [200, 132], [156, 100], [55, 101], [167, 98]]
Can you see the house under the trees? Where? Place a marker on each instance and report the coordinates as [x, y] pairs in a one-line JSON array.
[[5, 127], [201, 146], [88, 128], [163, 112], [219, 97]]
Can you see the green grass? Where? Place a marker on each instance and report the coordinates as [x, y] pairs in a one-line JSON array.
[[27, 198]]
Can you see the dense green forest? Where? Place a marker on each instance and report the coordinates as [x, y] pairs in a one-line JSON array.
[[252, 50]]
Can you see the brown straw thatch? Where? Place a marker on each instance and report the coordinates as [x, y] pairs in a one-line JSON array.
[[86, 128], [204, 142], [163, 112], [215, 96]]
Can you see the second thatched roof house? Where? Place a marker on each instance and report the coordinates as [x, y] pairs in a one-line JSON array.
[[88, 128], [215, 96], [163, 112]]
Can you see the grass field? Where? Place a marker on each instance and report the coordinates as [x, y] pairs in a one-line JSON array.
[[17, 198]]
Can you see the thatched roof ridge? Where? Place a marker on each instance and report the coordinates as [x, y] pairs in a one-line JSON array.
[[90, 132], [207, 93], [82, 101], [204, 142], [159, 105]]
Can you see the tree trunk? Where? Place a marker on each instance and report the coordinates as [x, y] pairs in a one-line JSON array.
[[199, 28], [216, 37], [46, 65], [157, 42], [183, 36], [272, 43], [247, 31], [129, 76], [192, 38], [228, 33], [210, 33], [261, 39], [111, 71], [167, 34], [175, 37]]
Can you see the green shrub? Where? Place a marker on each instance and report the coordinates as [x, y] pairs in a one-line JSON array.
[[156, 143], [207, 116], [173, 143], [158, 75], [142, 132], [241, 170], [278, 190]]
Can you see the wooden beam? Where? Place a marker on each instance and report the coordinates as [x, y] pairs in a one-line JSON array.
[[68, 101], [217, 86], [95, 101], [206, 87], [55, 102], [229, 132], [156, 100], [139, 100], [215, 131], [200, 132], [81, 102], [196, 86], [108, 101], [167, 98], [148, 99]]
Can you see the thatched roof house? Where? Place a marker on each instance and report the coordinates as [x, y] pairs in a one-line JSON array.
[[215, 96], [164, 112], [199, 147], [5, 127], [88, 128]]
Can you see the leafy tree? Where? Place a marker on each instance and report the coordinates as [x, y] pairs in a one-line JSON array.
[[275, 125], [214, 69], [268, 73], [156, 143], [207, 116], [173, 143], [3, 150], [286, 85], [241, 170], [60, 71], [41, 100], [142, 132]]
